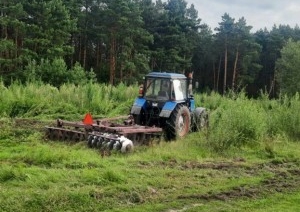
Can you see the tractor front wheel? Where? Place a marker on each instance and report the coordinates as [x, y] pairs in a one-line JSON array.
[[178, 124], [199, 119], [139, 119]]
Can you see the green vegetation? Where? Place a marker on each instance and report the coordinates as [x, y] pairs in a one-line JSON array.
[[53, 51], [248, 160], [36, 99], [288, 68], [118, 41]]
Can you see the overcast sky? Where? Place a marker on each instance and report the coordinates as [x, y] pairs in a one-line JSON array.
[[258, 13]]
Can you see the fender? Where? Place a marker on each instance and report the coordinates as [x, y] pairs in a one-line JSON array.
[[137, 106], [168, 109]]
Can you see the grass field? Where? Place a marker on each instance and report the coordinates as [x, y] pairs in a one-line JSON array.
[[249, 159]]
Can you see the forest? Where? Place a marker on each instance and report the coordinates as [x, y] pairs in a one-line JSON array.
[[60, 59], [118, 41]]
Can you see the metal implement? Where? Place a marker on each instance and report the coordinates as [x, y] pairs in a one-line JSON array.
[[109, 133]]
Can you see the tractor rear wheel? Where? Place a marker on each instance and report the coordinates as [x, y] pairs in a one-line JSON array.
[[178, 124]]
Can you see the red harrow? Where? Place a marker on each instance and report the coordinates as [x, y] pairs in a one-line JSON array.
[[120, 133]]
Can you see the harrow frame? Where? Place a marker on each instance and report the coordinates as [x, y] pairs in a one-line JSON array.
[[120, 126]]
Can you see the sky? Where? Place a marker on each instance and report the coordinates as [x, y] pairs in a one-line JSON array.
[[258, 13]]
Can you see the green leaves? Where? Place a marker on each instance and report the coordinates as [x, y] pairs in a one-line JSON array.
[[288, 67], [56, 73], [49, 29]]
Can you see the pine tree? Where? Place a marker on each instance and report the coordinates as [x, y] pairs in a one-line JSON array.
[[11, 38], [246, 55], [48, 30], [126, 40], [224, 36]]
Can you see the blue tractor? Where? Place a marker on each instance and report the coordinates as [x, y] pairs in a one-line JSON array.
[[166, 100]]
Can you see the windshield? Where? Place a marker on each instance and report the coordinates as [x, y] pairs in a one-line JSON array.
[[157, 89], [165, 89]]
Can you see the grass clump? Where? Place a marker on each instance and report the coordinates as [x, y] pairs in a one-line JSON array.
[[8, 173]]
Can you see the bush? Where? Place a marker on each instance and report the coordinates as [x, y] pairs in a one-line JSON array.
[[56, 72], [284, 117], [236, 123]]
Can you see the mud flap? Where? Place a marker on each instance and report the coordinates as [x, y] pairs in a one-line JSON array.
[[167, 109], [137, 106]]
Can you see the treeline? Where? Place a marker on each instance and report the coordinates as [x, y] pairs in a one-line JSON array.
[[113, 41]]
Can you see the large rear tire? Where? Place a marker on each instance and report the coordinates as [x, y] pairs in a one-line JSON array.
[[178, 124]]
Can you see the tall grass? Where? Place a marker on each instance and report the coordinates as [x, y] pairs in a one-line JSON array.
[[283, 116], [235, 120], [68, 101]]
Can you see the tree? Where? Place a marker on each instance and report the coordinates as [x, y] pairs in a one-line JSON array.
[[224, 35], [205, 58], [272, 42], [12, 32], [175, 29], [287, 68], [126, 40], [247, 52], [48, 29]]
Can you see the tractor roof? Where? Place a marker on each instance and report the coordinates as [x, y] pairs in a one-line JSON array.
[[166, 75]]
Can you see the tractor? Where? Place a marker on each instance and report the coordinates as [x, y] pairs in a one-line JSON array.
[[165, 105], [166, 100]]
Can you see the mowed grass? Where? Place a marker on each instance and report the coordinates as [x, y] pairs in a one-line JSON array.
[[248, 160], [42, 175]]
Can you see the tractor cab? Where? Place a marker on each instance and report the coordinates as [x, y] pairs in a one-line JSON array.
[[162, 87], [160, 94], [159, 89]]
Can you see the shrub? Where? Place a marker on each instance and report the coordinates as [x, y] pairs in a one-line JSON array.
[[236, 123], [285, 117], [282, 115], [210, 101], [56, 72]]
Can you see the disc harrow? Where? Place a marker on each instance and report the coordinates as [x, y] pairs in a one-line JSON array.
[[107, 141], [120, 133]]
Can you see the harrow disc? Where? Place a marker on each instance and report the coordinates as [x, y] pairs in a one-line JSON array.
[[110, 142]]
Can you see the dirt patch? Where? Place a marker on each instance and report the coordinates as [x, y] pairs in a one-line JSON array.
[[173, 163], [211, 165], [285, 179]]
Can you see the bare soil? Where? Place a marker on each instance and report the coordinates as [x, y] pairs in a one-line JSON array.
[[286, 178]]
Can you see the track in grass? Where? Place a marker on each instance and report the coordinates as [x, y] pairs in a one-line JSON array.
[[286, 178]]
